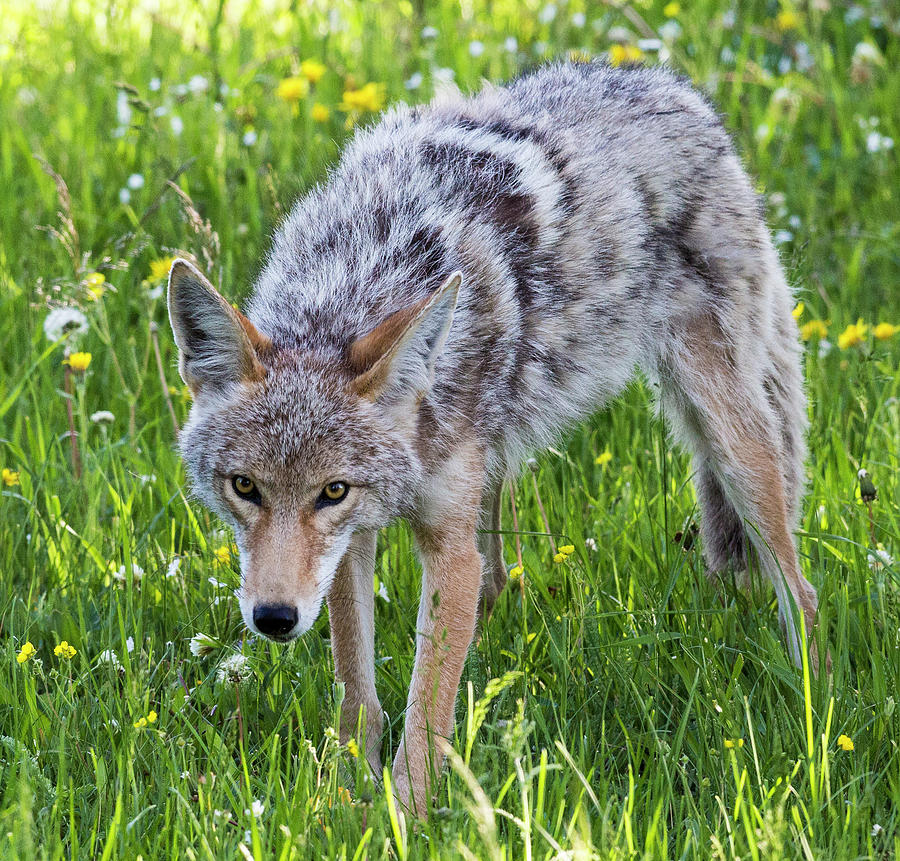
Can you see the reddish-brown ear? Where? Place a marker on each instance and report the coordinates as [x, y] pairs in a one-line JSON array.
[[397, 357], [218, 345]]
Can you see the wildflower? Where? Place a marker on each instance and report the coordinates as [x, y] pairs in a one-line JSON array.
[[143, 722], [670, 10], [78, 362], [256, 809], [568, 549], [159, 269], [320, 113], [476, 48], [198, 85], [879, 559], [137, 573], [203, 645], [353, 748], [845, 742], [102, 417], [369, 97], [799, 308], [234, 669], [547, 14], [579, 19], [64, 321], [25, 652], [312, 70], [511, 44], [591, 544], [292, 89], [94, 285], [108, 656], [222, 554], [516, 571], [877, 142], [813, 329], [603, 458], [135, 181], [64, 650], [730, 744], [560, 557], [177, 125], [250, 137], [129, 645], [853, 335], [429, 32], [787, 20], [619, 54], [876, 829], [124, 196], [883, 331], [383, 594], [10, 476], [174, 568]]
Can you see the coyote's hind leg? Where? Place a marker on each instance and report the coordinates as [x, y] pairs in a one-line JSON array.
[[719, 406]]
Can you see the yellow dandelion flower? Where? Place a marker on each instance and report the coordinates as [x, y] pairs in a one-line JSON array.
[[10, 476], [560, 557], [151, 716], [320, 113], [845, 742], [159, 269], [312, 70], [853, 335], [883, 331], [140, 723], [516, 571], [603, 458], [353, 748], [292, 89], [94, 285], [813, 329], [25, 652], [733, 743], [799, 308], [786, 20], [670, 10], [64, 650], [369, 97], [568, 549], [223, 554], [78, 362], [619, 54]]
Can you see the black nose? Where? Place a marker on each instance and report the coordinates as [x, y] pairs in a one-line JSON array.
[[274, 620]]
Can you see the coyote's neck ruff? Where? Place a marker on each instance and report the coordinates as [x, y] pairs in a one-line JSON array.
[[475, 276]]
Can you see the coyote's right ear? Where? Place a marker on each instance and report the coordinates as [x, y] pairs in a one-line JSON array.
[[218, 344]]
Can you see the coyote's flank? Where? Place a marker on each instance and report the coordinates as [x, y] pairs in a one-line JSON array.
[[476, 276]]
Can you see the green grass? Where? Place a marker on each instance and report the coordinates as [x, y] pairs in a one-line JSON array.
[[631, 673]]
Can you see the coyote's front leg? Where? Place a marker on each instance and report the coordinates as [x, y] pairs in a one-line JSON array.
[[451, 578]]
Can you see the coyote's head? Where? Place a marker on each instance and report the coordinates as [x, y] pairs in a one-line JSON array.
[[297, 450]]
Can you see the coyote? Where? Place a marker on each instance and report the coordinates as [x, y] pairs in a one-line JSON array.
[[475, 276]]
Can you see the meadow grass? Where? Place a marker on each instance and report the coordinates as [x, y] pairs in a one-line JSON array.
[[619, 705]]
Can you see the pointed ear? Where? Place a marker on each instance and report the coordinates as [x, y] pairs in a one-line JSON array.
[[396, 359], [218, 345]]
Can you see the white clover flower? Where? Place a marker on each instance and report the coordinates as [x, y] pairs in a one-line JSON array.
[[256, 809], [429, 32], [250, 137], [102, 417], [547, 14], [670, 31], [64, 321], [578, 20], [511, 44], [154, 85], [233, 670], [177, 125], [174, 567], [782, 236], [198, 85], [124, 196], [203, 644], [161, 111], [879, 559], [108, 656], [476, 48], [414, 81], [137, 573], [135, 181]]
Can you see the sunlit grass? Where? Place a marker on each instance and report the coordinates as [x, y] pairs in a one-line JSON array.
[[618, 705]]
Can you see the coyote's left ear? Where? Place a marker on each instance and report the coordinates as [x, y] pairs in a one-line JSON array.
[[395, 361], [218, 345]]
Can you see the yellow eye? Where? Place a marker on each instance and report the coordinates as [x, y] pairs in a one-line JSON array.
[[244, 487], [334, 492]]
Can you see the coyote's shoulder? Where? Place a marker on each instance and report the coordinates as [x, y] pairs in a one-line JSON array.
[[573, 200]]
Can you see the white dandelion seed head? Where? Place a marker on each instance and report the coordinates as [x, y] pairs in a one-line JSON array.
[[102, 417], [233, 669], [64, 321]]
